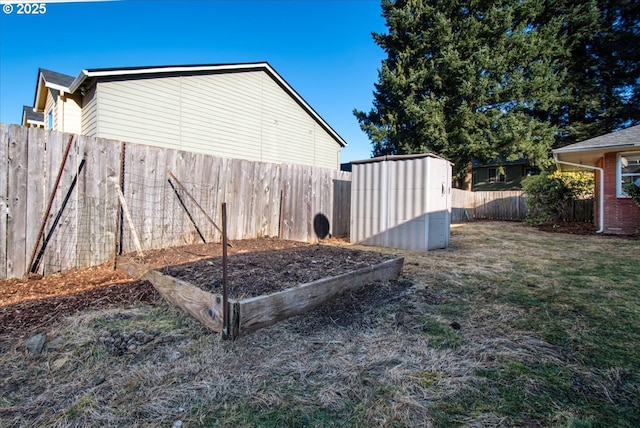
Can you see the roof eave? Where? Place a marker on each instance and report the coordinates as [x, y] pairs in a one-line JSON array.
[[587, 157]]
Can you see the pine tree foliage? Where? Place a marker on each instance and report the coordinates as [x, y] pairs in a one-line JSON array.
[[601, 91], [474, 79]]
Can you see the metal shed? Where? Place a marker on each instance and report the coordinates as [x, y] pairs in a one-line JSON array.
[[401, 202]]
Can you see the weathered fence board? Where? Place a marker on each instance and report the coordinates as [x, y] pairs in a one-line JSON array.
[[35, 186], [4, 151], [17, 201]]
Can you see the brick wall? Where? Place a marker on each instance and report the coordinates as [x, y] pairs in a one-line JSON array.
[[621, 215]]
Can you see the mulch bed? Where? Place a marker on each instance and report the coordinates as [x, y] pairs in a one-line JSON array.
[[22, 318], [260, 273]]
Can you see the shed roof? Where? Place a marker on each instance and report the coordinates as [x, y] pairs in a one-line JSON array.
[[398, 158], [590, 151]]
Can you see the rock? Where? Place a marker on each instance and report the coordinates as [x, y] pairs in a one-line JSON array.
[[57, 364], [177, 424], [55, 344], [35, 344]]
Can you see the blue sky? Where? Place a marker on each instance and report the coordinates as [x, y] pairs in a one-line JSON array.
[[324, 49]]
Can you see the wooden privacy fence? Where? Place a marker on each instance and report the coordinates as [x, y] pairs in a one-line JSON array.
[[170, 198], [505, 205], [495, 205]]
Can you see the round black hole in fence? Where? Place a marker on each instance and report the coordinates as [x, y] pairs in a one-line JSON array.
[[321, 226]]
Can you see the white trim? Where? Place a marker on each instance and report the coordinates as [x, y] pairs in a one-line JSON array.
[[619, 193]]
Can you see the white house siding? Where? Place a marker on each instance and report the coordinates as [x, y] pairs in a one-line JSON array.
[[238, 115], [143, 111], [89, 117], [70, 113]]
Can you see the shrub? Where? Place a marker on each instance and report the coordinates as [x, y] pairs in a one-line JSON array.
[[549, 196], [633, 190]]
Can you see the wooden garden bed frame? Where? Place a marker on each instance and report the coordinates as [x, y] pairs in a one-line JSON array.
[[250, 314]]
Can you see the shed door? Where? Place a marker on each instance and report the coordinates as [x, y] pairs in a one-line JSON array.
[[438, 200]]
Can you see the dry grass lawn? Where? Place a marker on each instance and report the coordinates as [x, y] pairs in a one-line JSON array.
[[509, 326]]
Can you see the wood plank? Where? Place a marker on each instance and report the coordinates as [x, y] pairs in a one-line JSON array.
[[35, 185], [4, 157], [204, 306], [133, 193], [18, 152], [262, 311], [55, 150], [88, 202], [65, 235], [166, 226]]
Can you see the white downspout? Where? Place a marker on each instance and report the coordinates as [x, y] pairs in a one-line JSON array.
[[601, 204]]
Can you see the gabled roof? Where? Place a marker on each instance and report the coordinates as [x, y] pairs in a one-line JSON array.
[[590, 151], [52, 80], [30, 116], [89, 75], [55, 78]]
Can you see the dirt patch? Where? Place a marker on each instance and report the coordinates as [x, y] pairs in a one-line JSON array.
[[579, 228], [265, 272], [572, 227]]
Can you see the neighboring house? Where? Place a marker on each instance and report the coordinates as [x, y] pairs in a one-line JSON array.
[[245, 111], [500, 174], [615, 160], [31, 118]]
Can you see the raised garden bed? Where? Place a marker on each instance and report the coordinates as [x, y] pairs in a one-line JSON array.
[[268, 286]]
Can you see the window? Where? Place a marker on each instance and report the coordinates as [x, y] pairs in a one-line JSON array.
[[49, 124], [628, 171], [494, 176]]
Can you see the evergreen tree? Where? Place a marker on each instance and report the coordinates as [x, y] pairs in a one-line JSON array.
[[601, 91], [474, 79]]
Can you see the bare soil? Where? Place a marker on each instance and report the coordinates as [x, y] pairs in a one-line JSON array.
[[265, 272]]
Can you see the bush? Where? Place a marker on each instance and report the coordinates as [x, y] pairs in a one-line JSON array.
[[633, 190], [549, 196]]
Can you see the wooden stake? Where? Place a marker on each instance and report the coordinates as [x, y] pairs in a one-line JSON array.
[[117, 250], [125, 209], [226, 334]]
